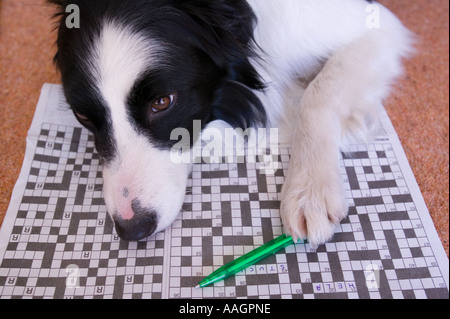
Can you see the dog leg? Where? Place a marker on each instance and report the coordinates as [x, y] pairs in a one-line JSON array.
[[340, 103], [312, 199]]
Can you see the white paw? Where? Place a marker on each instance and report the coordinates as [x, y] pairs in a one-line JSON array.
[[312, 209]]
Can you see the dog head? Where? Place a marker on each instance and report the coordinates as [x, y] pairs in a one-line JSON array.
[[134, 71]]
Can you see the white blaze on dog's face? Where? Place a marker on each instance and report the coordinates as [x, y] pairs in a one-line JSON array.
[[134, 72], [143, 188]]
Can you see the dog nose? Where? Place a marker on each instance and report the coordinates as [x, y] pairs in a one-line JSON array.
[[142, 225]]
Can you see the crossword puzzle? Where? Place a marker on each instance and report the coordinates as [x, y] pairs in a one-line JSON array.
[[63, 243]]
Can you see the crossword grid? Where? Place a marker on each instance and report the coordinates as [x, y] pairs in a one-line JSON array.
[[383, 230], [62, 222], [63, 244], [231, 210]]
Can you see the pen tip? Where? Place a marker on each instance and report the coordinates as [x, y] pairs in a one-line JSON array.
[[197, 287]]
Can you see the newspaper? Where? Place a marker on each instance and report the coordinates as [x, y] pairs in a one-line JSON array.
[[58, 241]]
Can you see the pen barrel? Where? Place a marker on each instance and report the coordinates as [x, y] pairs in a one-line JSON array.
[[258, 254], [248, 259]]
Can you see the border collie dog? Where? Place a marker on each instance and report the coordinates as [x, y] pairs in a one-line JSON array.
[[134, 71]]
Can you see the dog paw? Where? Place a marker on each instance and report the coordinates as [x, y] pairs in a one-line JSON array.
[[312, 210]]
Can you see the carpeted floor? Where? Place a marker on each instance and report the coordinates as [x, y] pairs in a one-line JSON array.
[[419, 108]]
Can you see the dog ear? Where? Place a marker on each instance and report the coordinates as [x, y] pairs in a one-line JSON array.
[[237, 105], [60, 5], [224, 31], [224, 27], [58, 17]]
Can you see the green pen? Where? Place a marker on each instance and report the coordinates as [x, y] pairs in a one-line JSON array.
[[247, 260]]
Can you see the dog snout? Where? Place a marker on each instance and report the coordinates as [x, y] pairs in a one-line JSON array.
[[141, 225]]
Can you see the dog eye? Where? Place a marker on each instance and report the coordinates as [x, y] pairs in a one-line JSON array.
[[163, 103], [83, 119]]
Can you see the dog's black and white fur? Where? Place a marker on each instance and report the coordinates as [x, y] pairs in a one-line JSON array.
[[136, 70]]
